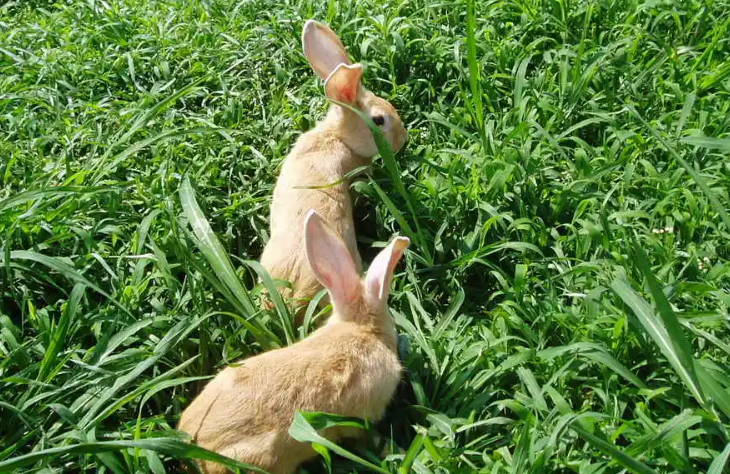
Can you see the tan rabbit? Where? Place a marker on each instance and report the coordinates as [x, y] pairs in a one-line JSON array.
[[338, 144], [349, 366]]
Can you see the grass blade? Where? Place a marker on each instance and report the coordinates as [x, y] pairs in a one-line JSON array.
[[167, 446], [719, 463], [671, 324], [475, 82], [626, 461], [285, 319], [59, 335], [715, 143], [55, 191], [100, 167], [657, 332], [413, 450], [211, 247], [302, 430]]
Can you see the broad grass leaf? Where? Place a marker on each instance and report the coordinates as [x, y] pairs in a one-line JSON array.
[[497, 420], [102, 351], [713, 389], [104, 406], [604, 358], [528, 378], [658, 334], [285, 320], [217, 258], [475, 82], [347, 177], [413, 451], [671, 324], [313, 312], [625, 460], [719, 463], [595, 353], [449, 314], [59, 334], [168, 446], [686, 111], [522, 450], [712, 143], [53, 192], [142, 120], [715, 78], [211, 247], [302, 430], [400, 218], [666, 433]]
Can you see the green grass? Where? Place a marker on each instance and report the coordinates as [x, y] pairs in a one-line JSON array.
[[566, 298]]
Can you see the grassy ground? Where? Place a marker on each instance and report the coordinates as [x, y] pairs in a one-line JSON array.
[[566, 297]]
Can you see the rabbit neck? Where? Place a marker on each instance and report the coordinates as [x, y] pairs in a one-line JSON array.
[[353, 133], [379, 323]]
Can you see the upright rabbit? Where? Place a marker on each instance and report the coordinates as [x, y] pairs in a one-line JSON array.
[[336, 146], [349, 366]]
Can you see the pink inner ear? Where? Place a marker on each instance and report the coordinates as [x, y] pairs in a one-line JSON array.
[[381, 270], [344, 83], [347, 93]]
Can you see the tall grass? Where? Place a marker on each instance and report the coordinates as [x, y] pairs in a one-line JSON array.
[[564, 307]]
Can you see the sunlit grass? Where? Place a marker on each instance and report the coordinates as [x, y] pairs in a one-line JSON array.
[[563, 306]]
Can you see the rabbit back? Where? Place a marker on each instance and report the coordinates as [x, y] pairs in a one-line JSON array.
[[312, 165], [246, 410]]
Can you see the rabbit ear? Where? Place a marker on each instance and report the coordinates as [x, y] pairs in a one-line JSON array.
[[323, 48], [344, 83], [377, 281], [330, 260]]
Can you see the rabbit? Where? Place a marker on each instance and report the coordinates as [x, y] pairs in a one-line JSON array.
[[337, 145], [349, 366]]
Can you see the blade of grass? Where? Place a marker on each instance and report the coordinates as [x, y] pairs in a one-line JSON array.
[[301, 430], [626, 461], [167, 446], [719, 463], [413, 450], [60, 266], [657, 332], [475, 82], [344, 179], [59, 334], [142, 121], [32, 195], [671, 324], [715, 143], [211, 247], [285, 319]]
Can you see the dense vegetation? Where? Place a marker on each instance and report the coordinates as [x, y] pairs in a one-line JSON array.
[[565, 299]]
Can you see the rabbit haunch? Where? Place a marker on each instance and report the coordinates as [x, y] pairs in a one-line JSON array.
[[337, 145], [348, 367]]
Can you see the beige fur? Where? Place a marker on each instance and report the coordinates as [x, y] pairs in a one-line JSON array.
[[348, 367], [337, 145]]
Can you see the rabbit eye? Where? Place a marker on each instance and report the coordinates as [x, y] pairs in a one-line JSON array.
[[378, 120]]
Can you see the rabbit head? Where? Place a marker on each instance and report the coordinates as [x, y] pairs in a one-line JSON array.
[[361, 300], [328, 57]]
